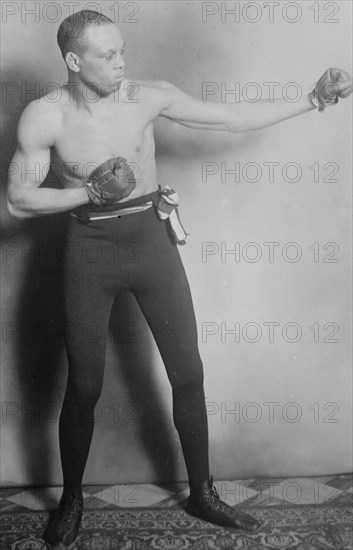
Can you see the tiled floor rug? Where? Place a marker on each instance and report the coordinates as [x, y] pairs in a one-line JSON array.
[[290, 527]]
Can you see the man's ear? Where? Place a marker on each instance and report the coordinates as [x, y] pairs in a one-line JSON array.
[[73, 62]]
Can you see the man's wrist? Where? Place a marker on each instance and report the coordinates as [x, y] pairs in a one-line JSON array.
[[313, 100], [82, 195]]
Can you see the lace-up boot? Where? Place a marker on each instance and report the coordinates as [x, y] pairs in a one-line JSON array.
[[206, 504], [63, 530]]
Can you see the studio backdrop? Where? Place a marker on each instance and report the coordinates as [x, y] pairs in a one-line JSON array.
[[267, 256]]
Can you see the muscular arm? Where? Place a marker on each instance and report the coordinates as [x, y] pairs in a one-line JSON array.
[[237, 117], [30, 165]]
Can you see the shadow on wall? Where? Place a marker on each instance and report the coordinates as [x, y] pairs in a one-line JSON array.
[[38, 371]]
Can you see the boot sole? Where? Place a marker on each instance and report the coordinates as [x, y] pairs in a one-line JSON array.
[[193, 512]]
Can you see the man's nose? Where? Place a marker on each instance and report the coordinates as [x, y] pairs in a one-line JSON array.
[[119, 62]]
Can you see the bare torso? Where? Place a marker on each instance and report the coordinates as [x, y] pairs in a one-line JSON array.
[[121, 127]]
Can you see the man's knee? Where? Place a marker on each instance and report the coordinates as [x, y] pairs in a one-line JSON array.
[[188, 376], [83, 394]]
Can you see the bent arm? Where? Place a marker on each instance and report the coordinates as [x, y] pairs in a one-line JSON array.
[[26, 200], [237, 117], [28, 169]]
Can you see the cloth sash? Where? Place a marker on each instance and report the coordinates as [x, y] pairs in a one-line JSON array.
[[167, 209]]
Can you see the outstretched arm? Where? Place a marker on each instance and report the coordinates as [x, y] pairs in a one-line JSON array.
[[243, 116]]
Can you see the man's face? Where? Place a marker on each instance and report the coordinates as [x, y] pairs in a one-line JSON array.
[[101, 61]]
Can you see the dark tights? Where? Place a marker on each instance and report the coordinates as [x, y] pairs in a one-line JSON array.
[[103, 257]]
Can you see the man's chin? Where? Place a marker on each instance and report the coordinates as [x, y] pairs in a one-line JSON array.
[[119, 78], [116, 84]]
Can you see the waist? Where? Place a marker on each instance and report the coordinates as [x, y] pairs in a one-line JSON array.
[[87, 212]]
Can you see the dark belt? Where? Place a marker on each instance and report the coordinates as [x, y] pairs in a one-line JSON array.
[[165, 202], [84, 212]]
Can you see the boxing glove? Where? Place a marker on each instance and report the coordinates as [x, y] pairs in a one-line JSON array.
[[110, 182], [333, 84]]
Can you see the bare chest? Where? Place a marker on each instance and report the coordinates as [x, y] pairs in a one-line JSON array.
[[87, 138]]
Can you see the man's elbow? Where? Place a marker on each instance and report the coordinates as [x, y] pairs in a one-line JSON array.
[[233, 128], [15, 209], [236, 122]]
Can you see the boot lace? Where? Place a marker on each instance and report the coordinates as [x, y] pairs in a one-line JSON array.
[[71, 508], [213, 490]]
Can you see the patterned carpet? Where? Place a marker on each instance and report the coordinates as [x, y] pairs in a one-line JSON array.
[[296, 514]]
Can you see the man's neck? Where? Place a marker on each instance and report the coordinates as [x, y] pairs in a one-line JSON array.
[[91, 98]]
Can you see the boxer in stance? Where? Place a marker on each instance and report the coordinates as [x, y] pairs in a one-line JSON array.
[[104, 121]]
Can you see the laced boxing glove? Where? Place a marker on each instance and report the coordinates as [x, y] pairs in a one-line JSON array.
[[110, 182], [333, 84]]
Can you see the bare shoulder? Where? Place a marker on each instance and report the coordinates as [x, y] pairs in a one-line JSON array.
[[159, 92], [40, 121]]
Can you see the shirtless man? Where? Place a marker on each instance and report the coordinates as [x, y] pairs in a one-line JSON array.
[[104, 120]]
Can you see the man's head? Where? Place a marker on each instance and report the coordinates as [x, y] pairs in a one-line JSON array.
[[92, 47]]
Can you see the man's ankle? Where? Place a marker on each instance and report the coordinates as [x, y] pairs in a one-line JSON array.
[[197, 489], [73, 491]]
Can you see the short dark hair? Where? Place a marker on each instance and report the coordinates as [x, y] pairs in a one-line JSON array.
[[71, 31]]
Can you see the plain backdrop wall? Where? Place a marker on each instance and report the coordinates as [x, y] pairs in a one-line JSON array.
[[278, 388]]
